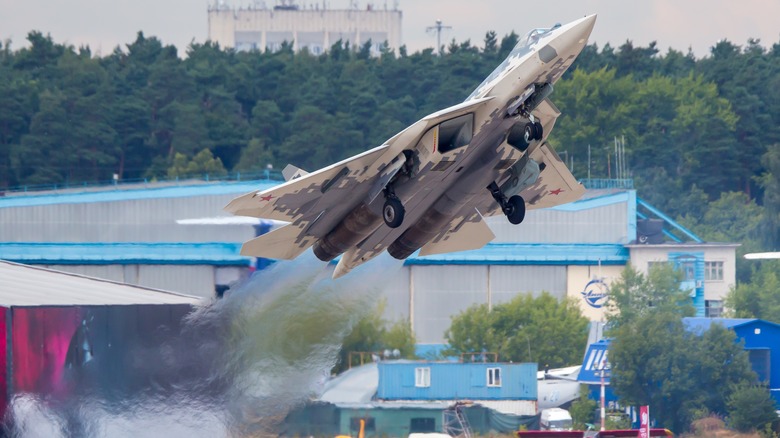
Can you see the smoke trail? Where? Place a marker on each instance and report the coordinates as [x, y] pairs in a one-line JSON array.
[[237, 366]]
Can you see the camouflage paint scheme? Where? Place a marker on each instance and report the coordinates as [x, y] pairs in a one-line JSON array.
[[449, 185]]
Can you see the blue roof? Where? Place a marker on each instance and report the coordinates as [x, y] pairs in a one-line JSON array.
[[595, 198], [530, 254], [701, 324], [210, 253], [123, 194]]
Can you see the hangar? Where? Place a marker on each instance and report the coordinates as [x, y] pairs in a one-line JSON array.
[[157, 235], [58, 328]]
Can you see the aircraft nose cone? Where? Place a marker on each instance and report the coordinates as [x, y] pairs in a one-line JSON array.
[[574, 36]]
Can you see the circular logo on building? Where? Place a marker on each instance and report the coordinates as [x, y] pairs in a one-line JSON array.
[[595, 293]]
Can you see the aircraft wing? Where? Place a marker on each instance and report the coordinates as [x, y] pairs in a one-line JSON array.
[[466, 232], [555, 186], [316, 201], [291, 200]]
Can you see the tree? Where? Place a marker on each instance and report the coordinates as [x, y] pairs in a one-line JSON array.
[[582, 410], [203, 163], [751, 408], [371, 334], [760, 297], [539, 329], [635, 295], [657, 361]]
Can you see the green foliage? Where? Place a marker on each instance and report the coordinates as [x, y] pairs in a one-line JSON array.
[[694, 128], [751, 408], [201, 164], [634, 296], [582, 410], [759, 298], [371, 334], [657, 362], [539, 329]]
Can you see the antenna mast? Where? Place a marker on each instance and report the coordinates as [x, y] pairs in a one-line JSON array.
[[437, 28]]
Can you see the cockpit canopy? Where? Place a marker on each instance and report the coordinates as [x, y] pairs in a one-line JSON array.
[[521, 49], [533, 36]]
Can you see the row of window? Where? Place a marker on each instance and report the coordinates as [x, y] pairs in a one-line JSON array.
[[713, 271], [422, 377]]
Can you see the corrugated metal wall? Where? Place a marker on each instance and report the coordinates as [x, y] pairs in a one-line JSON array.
[[195, 280], [136, 220], [439, 292], [457, 381], [605, 224], [506, 282]]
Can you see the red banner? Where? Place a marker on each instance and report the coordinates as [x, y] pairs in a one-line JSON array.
[[644, 422]]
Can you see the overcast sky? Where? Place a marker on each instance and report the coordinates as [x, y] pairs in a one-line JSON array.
[[680, 24]]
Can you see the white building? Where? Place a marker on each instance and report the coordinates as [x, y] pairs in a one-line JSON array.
[[309, 26]]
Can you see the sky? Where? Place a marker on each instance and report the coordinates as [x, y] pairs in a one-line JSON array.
[[679, 24]]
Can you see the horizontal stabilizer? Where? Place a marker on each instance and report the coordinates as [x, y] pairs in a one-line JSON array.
[[292, 172], [471, 233], [284, 243]]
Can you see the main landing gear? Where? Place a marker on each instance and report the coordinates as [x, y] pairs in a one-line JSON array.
[[513, 208], [393, 210]]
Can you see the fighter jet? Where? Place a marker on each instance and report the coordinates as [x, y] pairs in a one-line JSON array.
[[429, 187]]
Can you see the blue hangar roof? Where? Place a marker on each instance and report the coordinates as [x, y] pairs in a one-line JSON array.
[[123, 194], [530, 254], [226, 253], [701, 324], [211, 253]]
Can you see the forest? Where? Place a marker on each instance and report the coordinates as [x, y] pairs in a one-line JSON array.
[[701, 135]]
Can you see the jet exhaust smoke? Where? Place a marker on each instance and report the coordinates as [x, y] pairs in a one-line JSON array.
[[236, 367]]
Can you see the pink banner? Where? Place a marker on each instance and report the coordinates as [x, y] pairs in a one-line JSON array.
[[644, 422]]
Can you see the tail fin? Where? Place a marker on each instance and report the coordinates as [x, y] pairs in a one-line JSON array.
[[291, 172]]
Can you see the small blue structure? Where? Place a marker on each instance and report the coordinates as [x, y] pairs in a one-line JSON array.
[[403, 380], [762, 343]]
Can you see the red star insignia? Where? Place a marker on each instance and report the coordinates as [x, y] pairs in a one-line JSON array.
[[267, 197], [556, 192]]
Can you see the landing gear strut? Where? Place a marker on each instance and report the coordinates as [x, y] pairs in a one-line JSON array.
[[513, 208]]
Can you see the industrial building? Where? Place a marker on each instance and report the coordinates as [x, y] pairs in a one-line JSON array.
[[315, 27], [399, 397], [59, 328], [177, 237]]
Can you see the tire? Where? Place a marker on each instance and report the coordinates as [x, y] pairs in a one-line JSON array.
[[516, 137], [393, 212], [538, 131], [529, 132], [515, 209]]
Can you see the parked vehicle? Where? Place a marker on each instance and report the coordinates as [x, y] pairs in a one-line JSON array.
[[555, 419]]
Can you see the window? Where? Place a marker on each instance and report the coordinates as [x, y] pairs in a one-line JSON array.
[[494, 377], [422, 377], [713, 308], [713, 271], [422, 425]]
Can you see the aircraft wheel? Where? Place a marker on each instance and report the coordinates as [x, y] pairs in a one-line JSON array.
[[538, 131], [393, 212], [529, 132], [515, 209]]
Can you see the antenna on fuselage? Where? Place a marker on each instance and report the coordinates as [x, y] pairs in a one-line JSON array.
[[438, 28]]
